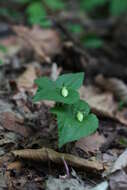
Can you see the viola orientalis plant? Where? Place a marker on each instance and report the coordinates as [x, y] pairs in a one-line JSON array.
[[73, 114]]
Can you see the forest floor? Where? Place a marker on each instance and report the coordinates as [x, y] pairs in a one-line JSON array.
[[29, 154]]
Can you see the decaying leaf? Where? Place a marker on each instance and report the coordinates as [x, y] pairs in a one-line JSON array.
[[91, 143], [12, 47], [14, 122], [45, 43], [7, 138], [120, 163], [26, 80], [103, 104], [72, 184], [45, 154], [118, 181], [17, 165], [118, 87], [101, 186], [3, 181]]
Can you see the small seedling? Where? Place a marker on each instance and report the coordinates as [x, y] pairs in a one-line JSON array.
[[73, 115]]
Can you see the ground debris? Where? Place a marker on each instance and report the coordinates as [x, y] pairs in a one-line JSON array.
[[45, 154], [45, 43], [118, 87], [118, 181], [120, 163], [91, 144], [14, 122], [70, 184], [103, 104], [26, 80]]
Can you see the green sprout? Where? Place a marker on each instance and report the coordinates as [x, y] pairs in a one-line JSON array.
[[73, 115]]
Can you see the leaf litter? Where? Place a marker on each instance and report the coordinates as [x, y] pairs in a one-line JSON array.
[[26, 127]]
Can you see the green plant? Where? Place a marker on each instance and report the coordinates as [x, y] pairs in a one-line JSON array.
[[92, 41], [3, 49], [37, 13], [73, 115]]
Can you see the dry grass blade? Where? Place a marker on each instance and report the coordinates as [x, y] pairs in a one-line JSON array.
[[45, 154], [118, 87]]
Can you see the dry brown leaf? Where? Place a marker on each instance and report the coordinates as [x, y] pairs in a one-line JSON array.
[[103, 104], [118, 87], [12, 122], [17, 165], [91, 143], [26, 80], [45, 154], [45, 43]]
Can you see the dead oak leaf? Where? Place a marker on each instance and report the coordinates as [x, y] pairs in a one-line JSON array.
[[91, 143], [26, 80], [13, 122], [44, 42], [103, 104]]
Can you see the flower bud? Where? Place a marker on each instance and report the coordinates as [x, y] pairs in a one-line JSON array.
[[79, 116], [64, 92]]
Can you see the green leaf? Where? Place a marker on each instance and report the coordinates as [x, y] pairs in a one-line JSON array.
[[93, 42], [117, 7], [73, 81], [123, 141], [70, 129], [55, 4], [48, 90], [75, 28], [3, 48], [24, 1], [37, 14], [45, 23], [1, 62], [89, 5]]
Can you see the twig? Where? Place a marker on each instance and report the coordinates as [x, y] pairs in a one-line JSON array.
[[45, 154]]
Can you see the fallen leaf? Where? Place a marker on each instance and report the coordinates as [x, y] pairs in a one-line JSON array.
[[120, 163], [103, 104], [26, 80], [101, 186], [44, 42], [7, 138], [14, 122], [12, 48], [5, 106], [3, 182], [55, 183], [91, 143], [16, 165], [117, 86], [118, 181]]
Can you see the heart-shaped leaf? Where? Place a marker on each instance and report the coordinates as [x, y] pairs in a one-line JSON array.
[[69, 128], [73, 81], [49, 91], [54, 90]]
